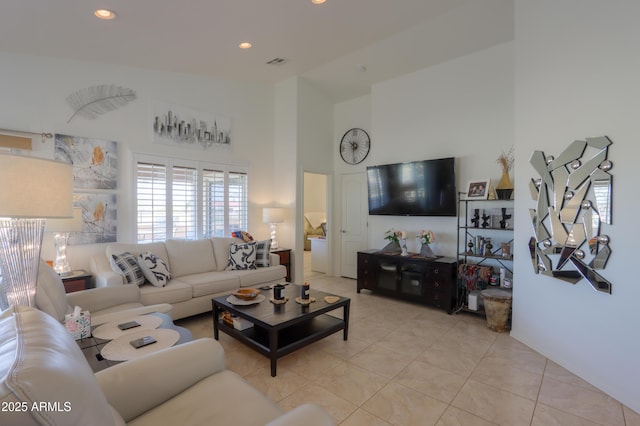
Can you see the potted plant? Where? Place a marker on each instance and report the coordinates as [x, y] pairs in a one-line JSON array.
[[426, 238]]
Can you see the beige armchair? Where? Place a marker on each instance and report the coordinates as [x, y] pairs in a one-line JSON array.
[[105, 304], [45, 380]]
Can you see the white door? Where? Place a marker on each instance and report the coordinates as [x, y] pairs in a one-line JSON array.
[[353, 225]]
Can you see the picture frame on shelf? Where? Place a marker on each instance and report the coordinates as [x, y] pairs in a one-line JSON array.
[[478, 189]]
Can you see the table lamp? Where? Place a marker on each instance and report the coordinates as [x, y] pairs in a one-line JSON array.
[[61, 228], [273, 216], [31, 190]]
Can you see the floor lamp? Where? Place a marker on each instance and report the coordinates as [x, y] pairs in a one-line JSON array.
[[31, 190], [273, 216]]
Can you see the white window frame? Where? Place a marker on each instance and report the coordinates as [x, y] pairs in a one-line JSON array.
[[199, 166]]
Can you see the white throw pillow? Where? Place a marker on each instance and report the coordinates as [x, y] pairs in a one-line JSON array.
[[263, 249], [242, 256], [155, 269], [129, 267]]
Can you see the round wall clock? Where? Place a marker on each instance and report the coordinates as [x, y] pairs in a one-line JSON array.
[[354, 146]]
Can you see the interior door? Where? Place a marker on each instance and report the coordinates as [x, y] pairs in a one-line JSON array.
[[353, 225]]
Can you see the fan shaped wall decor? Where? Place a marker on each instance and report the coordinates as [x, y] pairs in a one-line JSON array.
[[96, 100]]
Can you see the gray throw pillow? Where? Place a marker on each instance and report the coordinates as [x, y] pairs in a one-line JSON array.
[[129, 267], [262, 253]]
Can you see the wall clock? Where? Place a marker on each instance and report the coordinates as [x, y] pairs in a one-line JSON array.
[[354, 146]]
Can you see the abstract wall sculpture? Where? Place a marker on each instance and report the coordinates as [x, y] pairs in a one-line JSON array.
[[573, 196]]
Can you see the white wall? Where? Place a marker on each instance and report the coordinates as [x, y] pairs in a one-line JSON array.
[[463, 109], [32, 98], [347, 115], [577, 68], [303, 128], [315, 193]]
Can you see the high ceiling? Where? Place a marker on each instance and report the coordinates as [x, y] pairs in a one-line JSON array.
[[341, 46]]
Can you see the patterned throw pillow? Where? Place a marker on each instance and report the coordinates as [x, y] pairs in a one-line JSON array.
[[155, 269], [242, 235], [262, 253], [242, 256], [129, 267]]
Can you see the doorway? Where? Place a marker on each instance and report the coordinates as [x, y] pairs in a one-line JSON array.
[[316, 259]]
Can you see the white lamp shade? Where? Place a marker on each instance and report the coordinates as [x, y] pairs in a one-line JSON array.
[[34, 188], [73, 224], [273, 215]]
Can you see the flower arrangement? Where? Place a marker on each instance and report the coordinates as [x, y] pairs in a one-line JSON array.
[[394, 236], [426, 237], [506, 160]]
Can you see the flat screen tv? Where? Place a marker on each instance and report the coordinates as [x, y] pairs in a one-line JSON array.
[[419, 188]]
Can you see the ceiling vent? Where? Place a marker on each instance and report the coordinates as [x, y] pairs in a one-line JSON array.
[[276, 61]]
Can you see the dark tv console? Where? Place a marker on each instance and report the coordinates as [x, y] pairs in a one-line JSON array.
[[423, 280]]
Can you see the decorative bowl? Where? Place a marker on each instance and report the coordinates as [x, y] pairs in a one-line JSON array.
[[246, 293]]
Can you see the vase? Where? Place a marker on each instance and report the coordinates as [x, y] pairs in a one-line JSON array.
[[392, 247], [425, 251], [504, 189]]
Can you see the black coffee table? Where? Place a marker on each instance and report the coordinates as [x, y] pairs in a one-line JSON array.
[[279, 330]]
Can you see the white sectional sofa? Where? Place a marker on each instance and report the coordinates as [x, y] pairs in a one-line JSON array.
[[46, 380], [197, 273]]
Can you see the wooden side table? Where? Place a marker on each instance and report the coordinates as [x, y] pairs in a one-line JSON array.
[[78, 280], [285, 260]]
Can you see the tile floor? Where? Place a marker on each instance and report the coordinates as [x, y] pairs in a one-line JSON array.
[[406, 364]]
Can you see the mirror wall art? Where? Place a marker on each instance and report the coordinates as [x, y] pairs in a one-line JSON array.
[[573, 208]]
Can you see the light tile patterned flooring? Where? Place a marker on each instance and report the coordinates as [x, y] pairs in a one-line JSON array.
[[406, 364]]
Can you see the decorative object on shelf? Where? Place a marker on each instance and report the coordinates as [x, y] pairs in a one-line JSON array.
[[96, 100], [403, 247], [273, 216], [470, 245], [505, 217], [485, 220], [504, 188], [565, 219], [488, 247], [393, 236], [478, 189], [475, 277], [506, 250], [476, 218], [33, 189], [426, 238], [354, 146]]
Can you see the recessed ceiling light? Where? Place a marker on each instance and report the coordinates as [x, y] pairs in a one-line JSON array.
[[244, 45], [105, 14], [318, 1]]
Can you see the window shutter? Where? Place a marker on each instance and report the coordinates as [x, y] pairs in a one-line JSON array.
[[238, 203], [151, 202], [184, 186]]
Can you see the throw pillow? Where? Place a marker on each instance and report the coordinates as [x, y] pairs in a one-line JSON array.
[[262, 253], [242, 256], [129, 267], [155, 269], [242, 235]]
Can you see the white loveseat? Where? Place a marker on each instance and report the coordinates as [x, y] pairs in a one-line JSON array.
[[46, 380], [197, 273]]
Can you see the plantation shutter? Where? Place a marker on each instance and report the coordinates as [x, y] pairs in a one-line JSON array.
[[151, 202]]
